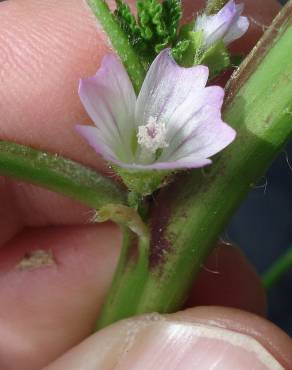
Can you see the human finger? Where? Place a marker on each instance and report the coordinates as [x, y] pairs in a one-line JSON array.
[[201, 338]]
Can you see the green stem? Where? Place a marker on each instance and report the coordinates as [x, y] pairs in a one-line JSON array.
[[133, 267], [119, 41], [80, 183], [278, 269], [192, 212], [259, 106], [58, 174], [129, 280]]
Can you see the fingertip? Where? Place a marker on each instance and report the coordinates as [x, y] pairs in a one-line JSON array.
[[275, 340], [193, 339], [46, 47], [53, 282]]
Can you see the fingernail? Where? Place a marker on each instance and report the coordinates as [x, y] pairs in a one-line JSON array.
[[154, 342], [168, 345]]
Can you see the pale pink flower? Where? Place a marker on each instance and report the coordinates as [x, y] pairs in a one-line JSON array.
[[174, 123], [227, 25]]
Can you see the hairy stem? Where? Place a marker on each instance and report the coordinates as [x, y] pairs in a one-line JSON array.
[[80, 183], [278, 269], [192, 212], [119, 41], [259, 107], [59, 174]]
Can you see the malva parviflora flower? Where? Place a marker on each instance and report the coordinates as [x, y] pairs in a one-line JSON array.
[[227, 25], [174, 123]]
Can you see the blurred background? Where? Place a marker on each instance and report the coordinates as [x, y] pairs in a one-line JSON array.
[[262, 227]]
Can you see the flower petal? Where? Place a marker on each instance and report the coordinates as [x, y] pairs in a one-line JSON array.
[[209, 138], [167, 83], [92, 136], [237, 30], [170, 93], [211, 99], [215, 26], [109, 99], [226, 24]]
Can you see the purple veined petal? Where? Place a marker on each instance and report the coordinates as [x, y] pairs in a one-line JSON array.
[[194, 101], [172, 95], [211, 102], [208, 139], [92, 136], [166, 87], [109, 99]]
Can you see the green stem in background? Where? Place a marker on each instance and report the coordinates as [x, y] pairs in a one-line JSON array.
[[59, 174], [278, 269], [192, 212], [119, 41]]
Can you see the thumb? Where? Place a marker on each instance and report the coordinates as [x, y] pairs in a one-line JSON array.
[[201, 338]]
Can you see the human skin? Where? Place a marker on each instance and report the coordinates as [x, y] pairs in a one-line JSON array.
[[46, 46]]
